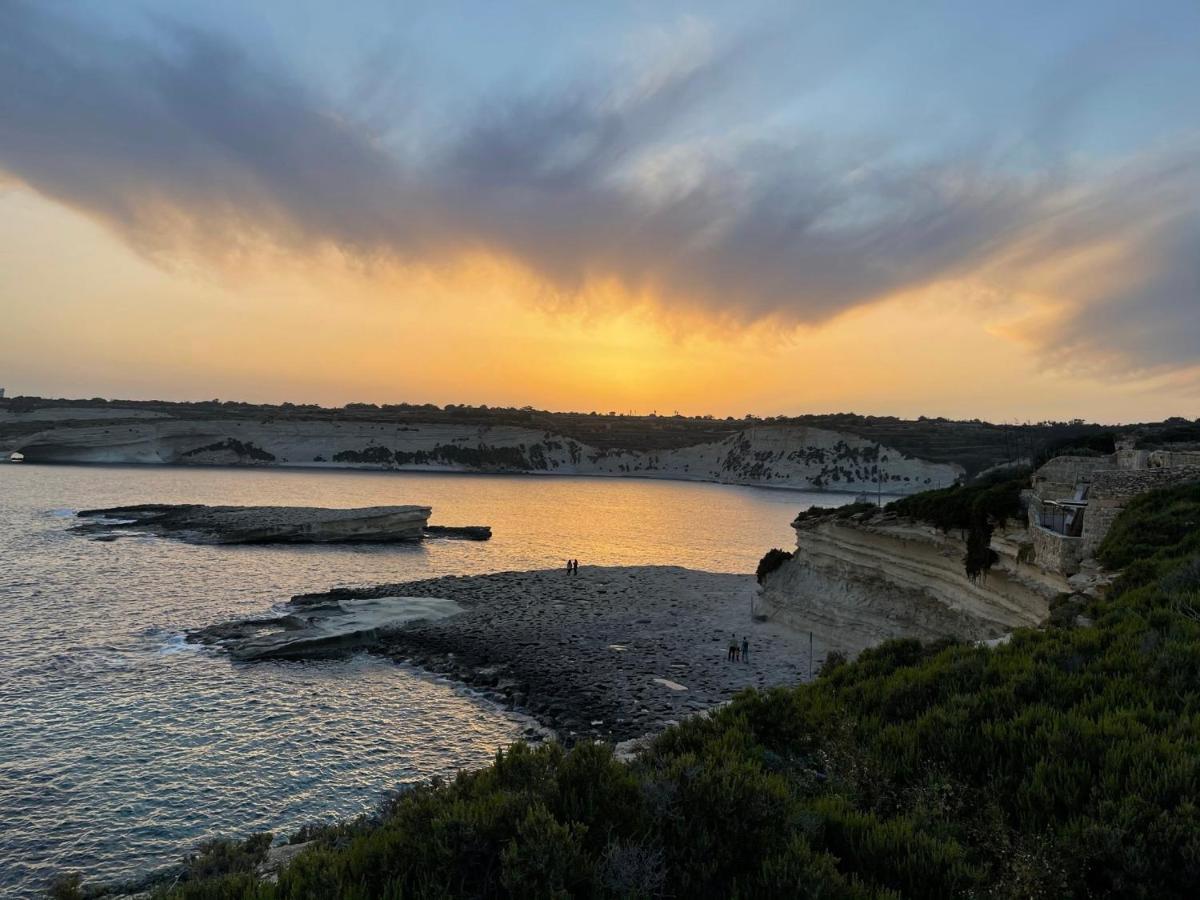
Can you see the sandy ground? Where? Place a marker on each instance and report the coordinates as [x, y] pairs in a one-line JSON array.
[[610, 653]]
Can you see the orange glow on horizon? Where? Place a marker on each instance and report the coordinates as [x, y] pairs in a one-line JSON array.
[[271, 327]]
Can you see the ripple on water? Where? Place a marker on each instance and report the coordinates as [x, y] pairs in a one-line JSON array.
[[123, 747]]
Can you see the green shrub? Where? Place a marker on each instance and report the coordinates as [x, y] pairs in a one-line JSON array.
[[864, 509], [771, 561], [1063, 763], [222, 856], [545, 858], [833, 660], [1159, 525], [66, 887], [973, 509]]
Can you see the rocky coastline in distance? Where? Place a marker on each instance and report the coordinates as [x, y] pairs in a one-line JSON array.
[[795, 456], [274, 524]]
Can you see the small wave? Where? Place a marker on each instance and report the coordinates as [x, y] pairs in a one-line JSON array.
[[61, 513], [93, 661], [165, 641], [178, 643]]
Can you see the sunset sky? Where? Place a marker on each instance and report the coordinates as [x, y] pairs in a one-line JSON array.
[[960, 209]]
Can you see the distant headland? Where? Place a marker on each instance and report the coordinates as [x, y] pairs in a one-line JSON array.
[[838, 452]]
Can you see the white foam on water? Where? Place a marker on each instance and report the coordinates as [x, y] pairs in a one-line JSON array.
[[178, 643]]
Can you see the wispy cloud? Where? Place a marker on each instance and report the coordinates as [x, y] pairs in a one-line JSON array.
[[189, 144]]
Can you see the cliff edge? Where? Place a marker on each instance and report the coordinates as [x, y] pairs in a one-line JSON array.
[[861, 579]]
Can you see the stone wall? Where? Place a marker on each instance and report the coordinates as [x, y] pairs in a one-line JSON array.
[[1112, 491], [1055, 552], [1167, 459], [1056, 480]]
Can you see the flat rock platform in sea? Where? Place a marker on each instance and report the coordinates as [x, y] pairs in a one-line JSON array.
[[612, 653], [275, 524], [322, 628]]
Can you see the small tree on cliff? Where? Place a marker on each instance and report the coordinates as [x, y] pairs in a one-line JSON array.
[[770, 562]]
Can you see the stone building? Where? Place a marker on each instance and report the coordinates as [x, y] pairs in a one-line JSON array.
[[1073, 500]]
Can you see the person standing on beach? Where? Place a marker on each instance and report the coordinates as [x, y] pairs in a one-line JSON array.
[[745, 648], [570, 566]]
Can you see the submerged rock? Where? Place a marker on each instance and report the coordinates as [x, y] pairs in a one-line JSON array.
[[275, 524], [462, 532]]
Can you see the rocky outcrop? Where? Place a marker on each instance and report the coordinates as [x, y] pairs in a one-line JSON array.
[[784, 456], [874, 578], [323, 626], [264, 524]]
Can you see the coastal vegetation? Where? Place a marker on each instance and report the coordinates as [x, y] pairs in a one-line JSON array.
[[974, 509], [1062, 763], [861, 509], [772, 560]]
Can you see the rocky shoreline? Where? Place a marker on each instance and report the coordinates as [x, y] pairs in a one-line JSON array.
[[613, 653]]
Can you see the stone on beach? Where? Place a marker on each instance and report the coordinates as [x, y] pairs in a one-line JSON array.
[[668, 683], [609, 654]]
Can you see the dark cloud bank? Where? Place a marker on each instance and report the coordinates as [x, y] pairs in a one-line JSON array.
[[189, 144]]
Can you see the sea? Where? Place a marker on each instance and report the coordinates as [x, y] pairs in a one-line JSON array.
[[122, 747]]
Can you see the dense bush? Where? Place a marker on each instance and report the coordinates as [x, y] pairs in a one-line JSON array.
[[1175, 433], [1158, 527], [862, 509], [771, 561], [973, 509], [960, 506], [1100, 443], [222, 856], [1064, 763]]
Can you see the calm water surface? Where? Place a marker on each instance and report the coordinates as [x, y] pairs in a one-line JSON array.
[[121, 747]]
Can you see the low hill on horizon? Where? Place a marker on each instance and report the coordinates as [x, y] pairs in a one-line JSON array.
[[974, 444]]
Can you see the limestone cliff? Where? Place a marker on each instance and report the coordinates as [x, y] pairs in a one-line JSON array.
[[784, 456], [859, 581]]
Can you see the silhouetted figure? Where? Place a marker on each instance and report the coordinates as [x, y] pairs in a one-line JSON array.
[[570, 567], [732, 657], [745, 649], [574, 567]]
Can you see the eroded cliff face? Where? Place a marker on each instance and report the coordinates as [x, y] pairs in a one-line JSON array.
[[783, 456], [857, 583]]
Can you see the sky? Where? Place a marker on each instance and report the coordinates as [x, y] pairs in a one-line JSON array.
[[966, 209]]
